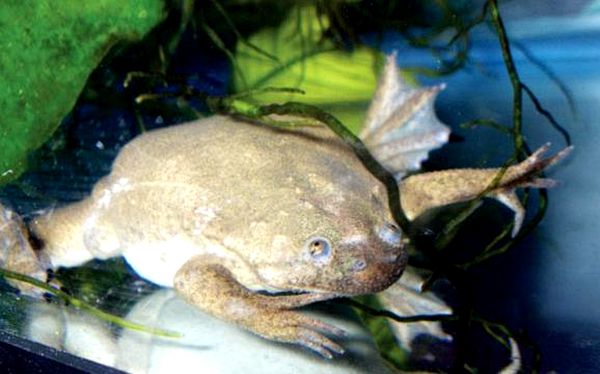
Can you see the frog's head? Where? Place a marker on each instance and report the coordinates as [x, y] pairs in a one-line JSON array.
[[348, 247], [358, 263]]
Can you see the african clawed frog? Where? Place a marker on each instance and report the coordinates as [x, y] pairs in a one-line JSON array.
[[248, 222]]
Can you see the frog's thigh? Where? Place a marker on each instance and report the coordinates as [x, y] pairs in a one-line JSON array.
[[78, 232]]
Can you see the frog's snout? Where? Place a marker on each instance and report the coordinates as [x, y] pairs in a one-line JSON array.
[[390, 234], [392, 244], [377, 273], [380, 264]]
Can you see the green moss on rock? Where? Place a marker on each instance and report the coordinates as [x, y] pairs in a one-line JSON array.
[[48, 48]]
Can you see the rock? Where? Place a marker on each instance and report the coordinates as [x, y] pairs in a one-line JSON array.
[[208, 345]]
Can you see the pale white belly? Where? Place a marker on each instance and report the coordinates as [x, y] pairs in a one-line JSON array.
[[158, 262]]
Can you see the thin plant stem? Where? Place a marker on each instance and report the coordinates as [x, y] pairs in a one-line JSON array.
[[515, 81], [82, 305]]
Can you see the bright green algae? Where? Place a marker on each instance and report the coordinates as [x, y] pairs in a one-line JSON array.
[[48, 50]]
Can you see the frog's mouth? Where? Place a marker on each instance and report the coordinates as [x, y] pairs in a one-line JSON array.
[[293, 299], [373, 278], [325, 294], [272, 291], [376, 276]]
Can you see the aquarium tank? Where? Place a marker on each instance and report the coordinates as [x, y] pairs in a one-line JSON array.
[[299, 186]]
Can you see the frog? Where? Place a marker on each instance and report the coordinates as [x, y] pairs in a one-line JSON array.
[[249, 222]]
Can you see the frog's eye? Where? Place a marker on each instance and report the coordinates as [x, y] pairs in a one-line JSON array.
[[319, 248]]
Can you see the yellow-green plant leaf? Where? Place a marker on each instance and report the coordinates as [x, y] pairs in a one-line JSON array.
[[340, 82]]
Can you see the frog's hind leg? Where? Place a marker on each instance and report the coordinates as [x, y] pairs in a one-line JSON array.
[[17, 253], [401, 127], [78, 232], [64, 237], [60, 233], [53, 239]]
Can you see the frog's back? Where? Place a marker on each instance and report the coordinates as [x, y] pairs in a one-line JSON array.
[[231, 172], [183, 190], [219, 151]]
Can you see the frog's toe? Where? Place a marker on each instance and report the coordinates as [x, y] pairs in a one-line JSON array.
[[509, 198], [297, 328], [525, 174], [318, 343], [536, 162], [321, 326]]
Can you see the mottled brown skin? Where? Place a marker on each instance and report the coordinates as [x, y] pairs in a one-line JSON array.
[[422, 192], [267, 316], [247, 222], [224, 209]]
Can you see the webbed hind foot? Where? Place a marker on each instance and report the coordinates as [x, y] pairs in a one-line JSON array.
[[18, 255]]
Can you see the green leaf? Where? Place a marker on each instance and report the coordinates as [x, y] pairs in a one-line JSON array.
[[340, 82], [48, 48]]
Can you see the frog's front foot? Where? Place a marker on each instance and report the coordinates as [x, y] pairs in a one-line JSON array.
[[211, 287], [17, 255], [296, 328], [526, 173], [422, 192], [522, 175]]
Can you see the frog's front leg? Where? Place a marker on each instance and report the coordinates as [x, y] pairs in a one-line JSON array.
[[422, 192], [210, 286]]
